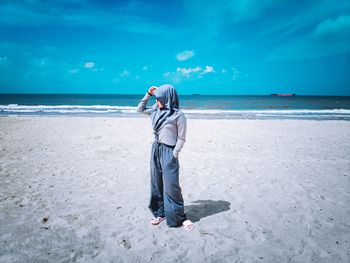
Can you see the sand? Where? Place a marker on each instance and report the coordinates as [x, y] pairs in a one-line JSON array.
[[76, 189]]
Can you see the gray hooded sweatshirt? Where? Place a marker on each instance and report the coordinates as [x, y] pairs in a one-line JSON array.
[[169, 123]]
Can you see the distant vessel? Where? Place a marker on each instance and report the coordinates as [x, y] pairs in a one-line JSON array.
[[283, 94], [195, 94]]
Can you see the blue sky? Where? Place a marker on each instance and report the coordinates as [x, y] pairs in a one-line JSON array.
[[207, 47]]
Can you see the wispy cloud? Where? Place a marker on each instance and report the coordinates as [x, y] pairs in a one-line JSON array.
[[330, 28], [41, 68], [330, 37], [214, 16], [184, 55], [129, 16], [187, 71], [235, 73], [89, 65], [4, 62], [125, 73], [42, 62], [182, 73], [313, 13]]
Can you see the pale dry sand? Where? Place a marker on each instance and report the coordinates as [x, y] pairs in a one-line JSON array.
[[257, 190]]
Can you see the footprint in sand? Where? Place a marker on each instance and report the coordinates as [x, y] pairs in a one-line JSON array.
[[154, 240], [125, 243], [258, 235], [316, 196]]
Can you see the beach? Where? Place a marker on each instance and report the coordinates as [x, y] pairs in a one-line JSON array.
[[76, 189]]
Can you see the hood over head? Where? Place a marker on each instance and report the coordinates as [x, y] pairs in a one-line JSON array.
[[167, 95]]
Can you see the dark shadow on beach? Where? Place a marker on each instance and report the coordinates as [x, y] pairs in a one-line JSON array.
[[204, 208]]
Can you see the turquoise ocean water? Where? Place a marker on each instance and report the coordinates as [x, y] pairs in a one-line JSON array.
[[194, 106]]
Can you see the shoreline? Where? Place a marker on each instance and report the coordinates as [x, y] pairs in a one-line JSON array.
[[188, 116]]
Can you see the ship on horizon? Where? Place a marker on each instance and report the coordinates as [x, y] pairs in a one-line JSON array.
[[283, 94]]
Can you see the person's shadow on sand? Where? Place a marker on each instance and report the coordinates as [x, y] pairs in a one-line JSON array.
[[204, 208]]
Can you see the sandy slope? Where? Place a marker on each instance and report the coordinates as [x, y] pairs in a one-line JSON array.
[[257, 190]]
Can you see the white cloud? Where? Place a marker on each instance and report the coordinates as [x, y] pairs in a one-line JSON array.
[[188, 73], [92, 66], [208, 69], [184, 55], [125, 73], [89, 65]]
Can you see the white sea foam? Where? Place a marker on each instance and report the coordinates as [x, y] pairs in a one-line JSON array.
[[109, 109], [16, 106]]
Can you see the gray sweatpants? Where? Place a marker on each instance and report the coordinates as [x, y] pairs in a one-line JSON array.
[[166, 197]]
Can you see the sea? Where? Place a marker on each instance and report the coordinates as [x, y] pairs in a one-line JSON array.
[[194, 106]]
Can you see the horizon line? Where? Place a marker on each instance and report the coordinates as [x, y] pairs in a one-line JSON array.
[[193, 94]]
